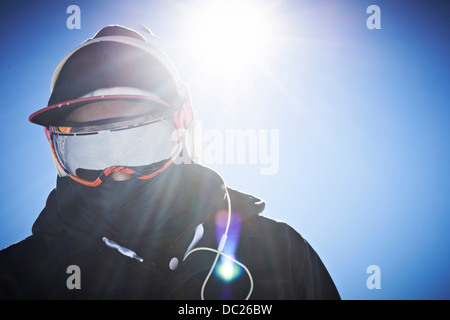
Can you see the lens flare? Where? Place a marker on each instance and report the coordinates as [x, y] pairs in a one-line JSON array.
[[226, 269]]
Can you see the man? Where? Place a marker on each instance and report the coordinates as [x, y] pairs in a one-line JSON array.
[[130, 217]]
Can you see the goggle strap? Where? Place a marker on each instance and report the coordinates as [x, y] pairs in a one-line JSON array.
[[184, 117], [95, 183], [106, 173], [110, 170]]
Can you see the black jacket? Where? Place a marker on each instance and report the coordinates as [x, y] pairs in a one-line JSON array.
[[279, 263]]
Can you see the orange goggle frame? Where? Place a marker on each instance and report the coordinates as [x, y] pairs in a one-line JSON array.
[[181, 118]]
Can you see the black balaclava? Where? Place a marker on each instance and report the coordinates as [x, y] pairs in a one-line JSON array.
[[161, 208]]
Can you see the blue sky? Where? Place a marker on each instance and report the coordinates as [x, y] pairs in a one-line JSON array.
[[362, 117]]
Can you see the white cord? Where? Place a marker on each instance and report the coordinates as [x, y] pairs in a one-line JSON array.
[[219, 252], [229, 209], [215, 261]]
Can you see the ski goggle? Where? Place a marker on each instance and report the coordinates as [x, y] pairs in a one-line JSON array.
[[101, 140]]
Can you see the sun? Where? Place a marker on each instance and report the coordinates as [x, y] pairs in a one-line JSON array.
[[231, 38]]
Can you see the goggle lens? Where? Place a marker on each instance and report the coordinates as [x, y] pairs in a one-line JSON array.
[[138, 146]]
